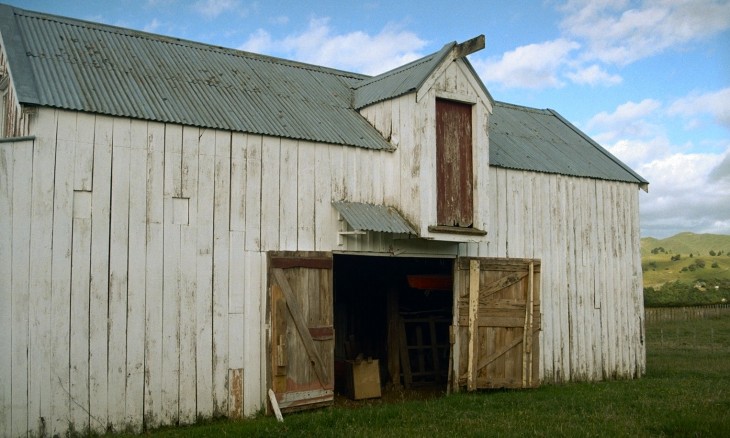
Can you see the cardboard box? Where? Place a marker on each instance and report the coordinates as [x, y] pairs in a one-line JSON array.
[[363, 379]]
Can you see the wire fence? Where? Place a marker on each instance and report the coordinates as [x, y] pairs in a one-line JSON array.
[[654, 314]]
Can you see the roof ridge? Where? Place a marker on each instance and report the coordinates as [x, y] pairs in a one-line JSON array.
[[521, 107], [402, 68]]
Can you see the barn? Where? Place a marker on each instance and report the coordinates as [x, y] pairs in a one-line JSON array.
[[184, 228]]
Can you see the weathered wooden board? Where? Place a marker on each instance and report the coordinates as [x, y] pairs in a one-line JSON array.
[[154, 275], [221, 267], [6, 269], [171, 277], [99, 283]]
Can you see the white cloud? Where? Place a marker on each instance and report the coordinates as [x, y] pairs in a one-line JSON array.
[[682, 197], [533, 66], [630, 120], [356, 51], [615, 32], [716, 104], [636, 152], [594, 75], [258, 42], [213, 8]]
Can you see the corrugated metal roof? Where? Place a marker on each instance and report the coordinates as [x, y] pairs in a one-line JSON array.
[[369, 217], [543, 141], [104, 69], [399, 81]]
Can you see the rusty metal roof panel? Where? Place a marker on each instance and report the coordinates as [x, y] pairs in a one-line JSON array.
[[109, 70], [370, 217], [543, 141]]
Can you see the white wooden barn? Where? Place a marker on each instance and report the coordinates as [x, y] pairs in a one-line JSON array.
[[184, 227]]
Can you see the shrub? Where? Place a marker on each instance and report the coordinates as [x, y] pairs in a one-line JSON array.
[[715, 265]]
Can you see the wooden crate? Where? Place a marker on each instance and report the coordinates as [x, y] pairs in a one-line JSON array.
[[363, 379]]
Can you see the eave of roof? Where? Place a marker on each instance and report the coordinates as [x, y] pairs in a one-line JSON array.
[[538, 140]]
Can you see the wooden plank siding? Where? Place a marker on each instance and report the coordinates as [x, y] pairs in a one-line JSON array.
[[152, 297], [587, 238]]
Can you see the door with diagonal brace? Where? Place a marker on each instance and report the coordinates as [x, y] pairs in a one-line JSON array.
[[497, 338], [302, 333]]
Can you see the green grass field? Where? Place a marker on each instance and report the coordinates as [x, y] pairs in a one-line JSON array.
[[686, 392], [660, 269]]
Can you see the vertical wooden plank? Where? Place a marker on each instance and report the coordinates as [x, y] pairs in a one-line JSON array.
[[6, 269], [80, 276], [270, 181], [188, 276], [221, 254], [563, 260], [599, 302], [391, 174], [253, 348], [410, 157], [204, 297], [473, 334], [286, 204], [638, 282], [80, 272], [171, 281], [84, 152], [41, 239], [515, 215], [236, 325], [582, 309], [137, 250], [155, 143], [626, 276], [325, 224], [337, 184], [307, 196], [548, 294], [502, 226], [99, 285], [253, 193], [19, 302], [118, 272], [238, 182], [61, 271]]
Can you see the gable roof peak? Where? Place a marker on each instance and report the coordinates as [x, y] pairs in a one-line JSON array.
[[410, 77]]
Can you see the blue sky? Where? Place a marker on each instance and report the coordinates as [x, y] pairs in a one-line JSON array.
[[649, 80]]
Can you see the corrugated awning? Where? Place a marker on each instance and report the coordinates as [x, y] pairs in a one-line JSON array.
[[369, 217]]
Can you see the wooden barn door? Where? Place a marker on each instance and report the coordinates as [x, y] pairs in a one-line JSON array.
[[302, 333], [499, 322]]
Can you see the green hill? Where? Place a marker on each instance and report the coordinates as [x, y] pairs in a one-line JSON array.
[[686, 268], [687, 243]]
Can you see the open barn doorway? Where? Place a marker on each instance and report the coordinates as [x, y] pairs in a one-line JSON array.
[[391, 317]]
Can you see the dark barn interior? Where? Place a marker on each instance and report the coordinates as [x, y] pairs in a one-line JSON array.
[[397, 310]]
